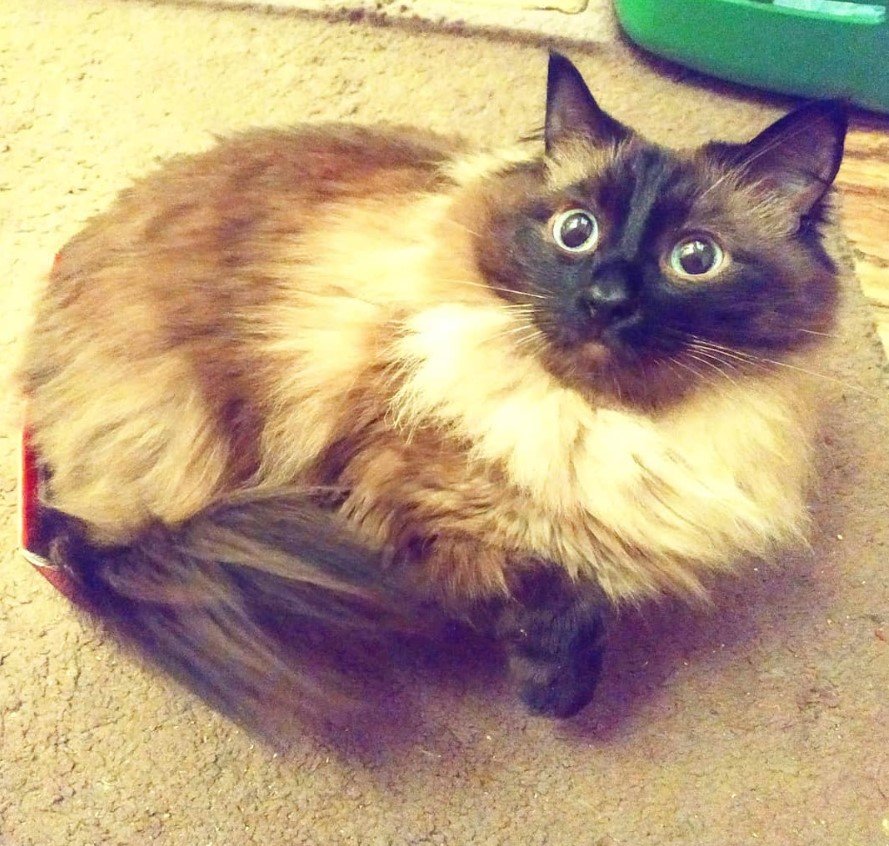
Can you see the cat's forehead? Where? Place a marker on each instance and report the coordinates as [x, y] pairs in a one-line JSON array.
[[644, 180], [629, 167]]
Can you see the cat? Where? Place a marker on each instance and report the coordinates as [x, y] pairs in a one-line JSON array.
[[336, 381]]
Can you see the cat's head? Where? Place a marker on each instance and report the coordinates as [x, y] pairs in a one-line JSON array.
[[641, 265]]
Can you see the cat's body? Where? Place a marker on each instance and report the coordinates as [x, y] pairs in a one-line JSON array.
[[317, 310]]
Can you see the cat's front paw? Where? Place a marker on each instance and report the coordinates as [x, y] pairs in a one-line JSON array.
[[560, 686]]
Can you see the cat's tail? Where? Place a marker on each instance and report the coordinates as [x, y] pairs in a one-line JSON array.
[[255, 604]]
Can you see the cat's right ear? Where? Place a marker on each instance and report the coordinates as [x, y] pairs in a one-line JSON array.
[[572, 112]]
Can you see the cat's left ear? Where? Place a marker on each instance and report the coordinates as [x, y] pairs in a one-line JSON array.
[[797, 157], [572, 112]]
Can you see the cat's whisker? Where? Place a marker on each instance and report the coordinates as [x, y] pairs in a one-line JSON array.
[[819, 334], [511, 331], [713, 366], [754, 358], [517, 330], [531, 294], [717, 385], [718, 356], [696, 373], [686, 367], [701, 345], [704, 353], [690, 340], [528, 334], [670, 363], [546, 295], [523, 317], [520, 310], [842, 382], [616, 384], [732, 173], [723, 353], [465, 228], [532, 342], [500, 289]]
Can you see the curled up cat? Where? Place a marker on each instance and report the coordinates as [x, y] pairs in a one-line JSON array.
[[324, 382]]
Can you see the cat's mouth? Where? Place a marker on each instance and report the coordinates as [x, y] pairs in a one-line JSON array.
[[638, 373], [599, 353], [601, 344], [609, 354]]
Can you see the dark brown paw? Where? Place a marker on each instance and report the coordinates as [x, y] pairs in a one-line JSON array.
[[553, 629], [560, 683]]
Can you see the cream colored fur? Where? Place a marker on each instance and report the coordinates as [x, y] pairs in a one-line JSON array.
[[644, 504]]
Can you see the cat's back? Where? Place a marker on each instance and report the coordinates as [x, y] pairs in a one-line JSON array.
[[146, 327], [189, 257], [218, 205], [197, 243]]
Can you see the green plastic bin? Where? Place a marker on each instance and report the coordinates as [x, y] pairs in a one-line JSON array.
[[812, 48]]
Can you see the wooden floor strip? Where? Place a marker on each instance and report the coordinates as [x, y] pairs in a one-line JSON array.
[[864, 180]]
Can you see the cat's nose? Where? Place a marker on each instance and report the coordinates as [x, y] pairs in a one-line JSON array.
[[608, 301]]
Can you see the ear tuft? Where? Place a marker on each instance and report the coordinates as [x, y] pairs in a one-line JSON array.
[[572, 112], [797, 157]]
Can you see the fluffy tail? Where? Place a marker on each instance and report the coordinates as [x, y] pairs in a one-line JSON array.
[[253, 604]]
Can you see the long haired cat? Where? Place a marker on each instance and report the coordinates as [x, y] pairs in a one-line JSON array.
[[326, 382]]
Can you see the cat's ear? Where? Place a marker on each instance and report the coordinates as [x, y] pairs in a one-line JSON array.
[[572, 112], [796, 157]]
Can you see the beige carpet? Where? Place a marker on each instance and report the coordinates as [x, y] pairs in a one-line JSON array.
[[765, 724]]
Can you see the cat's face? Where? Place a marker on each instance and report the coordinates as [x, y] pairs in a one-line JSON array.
[[642, 264]]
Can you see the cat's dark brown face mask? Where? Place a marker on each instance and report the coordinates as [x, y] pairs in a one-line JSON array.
[[650, 264]]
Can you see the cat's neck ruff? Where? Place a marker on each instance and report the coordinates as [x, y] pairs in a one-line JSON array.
[[718, 476], [668, 495]]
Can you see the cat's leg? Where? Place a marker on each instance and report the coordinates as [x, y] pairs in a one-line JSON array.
[[552, 626], [554, 632], [437, 521]]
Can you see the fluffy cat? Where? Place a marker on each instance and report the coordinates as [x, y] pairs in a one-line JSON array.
[[322, 383]]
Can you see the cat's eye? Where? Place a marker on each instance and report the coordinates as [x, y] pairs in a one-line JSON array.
[[696, 257], [576, 231]]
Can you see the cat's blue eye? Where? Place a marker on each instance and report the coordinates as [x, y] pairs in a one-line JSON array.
[[697, 256], [576, 231]]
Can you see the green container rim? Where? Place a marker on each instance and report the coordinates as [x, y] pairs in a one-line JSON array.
[[776, 47]]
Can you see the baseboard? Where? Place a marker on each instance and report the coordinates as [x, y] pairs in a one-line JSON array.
[[582, 21]]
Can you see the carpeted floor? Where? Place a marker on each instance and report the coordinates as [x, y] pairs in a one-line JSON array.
[[572, 20], [765, 723]]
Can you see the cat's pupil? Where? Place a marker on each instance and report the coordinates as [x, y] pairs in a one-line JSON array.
[[697, 256], [577, 229]]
